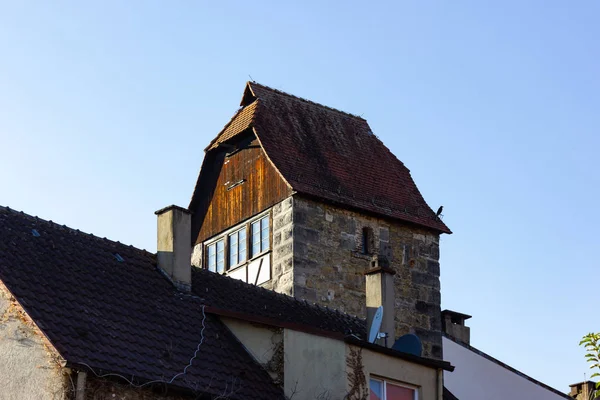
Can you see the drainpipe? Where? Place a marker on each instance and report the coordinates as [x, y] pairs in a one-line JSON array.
[[440, 384], [80, 389]]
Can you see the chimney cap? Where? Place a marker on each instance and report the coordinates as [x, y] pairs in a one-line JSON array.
[[380, 269], [455, 314], [583, 383], [172, 207]]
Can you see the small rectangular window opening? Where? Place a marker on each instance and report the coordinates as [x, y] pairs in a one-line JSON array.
[[119, 258], [366, 240], [35, 233]]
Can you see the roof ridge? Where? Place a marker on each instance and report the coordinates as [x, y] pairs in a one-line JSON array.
[[69, 229], [302, 99]]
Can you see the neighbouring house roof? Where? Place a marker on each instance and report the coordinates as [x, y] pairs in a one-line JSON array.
[[108, 309], [328, 154], [234, 298], [122, 317]]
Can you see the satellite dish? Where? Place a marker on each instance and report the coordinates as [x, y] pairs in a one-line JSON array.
[[375, 325], [410, 344]]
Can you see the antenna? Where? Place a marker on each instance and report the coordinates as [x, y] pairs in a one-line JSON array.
[[374, 333]]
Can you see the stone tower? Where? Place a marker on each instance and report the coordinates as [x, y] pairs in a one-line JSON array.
[[304, 199]]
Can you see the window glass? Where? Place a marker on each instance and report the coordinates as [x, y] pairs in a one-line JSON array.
[[395, 392], [220, 256], [255, 238], [212, 258], [264, 233], [260, 236], [381, 390], [237, 247], [375, 390], [242, 244]]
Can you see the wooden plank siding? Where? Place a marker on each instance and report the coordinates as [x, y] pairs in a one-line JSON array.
[[262, 188]]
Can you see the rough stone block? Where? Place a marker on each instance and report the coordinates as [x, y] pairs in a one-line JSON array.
[[305, 293], [287, 203], [425, 308], [384, 234], [348, 242], [421, 278], [306, 234], [284, 250], [328, 216], [433, 267], [276, 239], [287, 232], [300, 216]]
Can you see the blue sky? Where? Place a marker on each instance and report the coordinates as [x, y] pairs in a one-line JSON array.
[[105, 110]]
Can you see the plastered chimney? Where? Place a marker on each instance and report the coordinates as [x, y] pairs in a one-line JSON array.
[[380, 292], [174, 250]]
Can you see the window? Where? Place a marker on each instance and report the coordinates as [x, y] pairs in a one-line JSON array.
[[260, 236], [383, 390], [367, 240], [216, 256], [237, 247]]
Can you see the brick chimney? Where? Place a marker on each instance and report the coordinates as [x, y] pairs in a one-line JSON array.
[[453, 325], [582, 390], [173, 246], [380, 292]]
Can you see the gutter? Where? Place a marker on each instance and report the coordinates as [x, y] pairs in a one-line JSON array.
[[427, 362]]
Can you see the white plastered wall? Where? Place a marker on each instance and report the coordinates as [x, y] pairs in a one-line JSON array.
[[477, 377]]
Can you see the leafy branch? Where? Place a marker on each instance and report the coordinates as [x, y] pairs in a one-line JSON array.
[[591, 342]]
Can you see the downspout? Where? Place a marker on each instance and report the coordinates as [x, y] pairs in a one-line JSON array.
[[440, 384], [80, 389]]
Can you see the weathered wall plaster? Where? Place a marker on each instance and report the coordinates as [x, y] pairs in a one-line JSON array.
[[315, 367], [29, 367]]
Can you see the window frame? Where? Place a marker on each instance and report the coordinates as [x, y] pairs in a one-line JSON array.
[[386, 381], [228, 251], [269, 241], [225, 236], [215, 243]]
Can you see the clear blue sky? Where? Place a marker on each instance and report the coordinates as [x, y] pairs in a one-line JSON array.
[[105, 110]]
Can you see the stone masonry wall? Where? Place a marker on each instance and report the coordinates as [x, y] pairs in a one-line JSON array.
[[328, 266], [282, 246]]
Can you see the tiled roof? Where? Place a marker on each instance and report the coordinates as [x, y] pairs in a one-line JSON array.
[[331, 155], [240, 122], [120, 317], [232, 297]]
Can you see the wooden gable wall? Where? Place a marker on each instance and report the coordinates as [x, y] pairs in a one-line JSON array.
[[222, 206]]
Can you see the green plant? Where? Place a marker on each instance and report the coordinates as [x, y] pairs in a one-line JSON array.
[[591, 342]]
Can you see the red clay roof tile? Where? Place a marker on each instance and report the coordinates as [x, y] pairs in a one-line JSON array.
[[331, 155]]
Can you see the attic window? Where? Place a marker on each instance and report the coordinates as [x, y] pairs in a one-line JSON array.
[[119, 258], [35, 233]]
